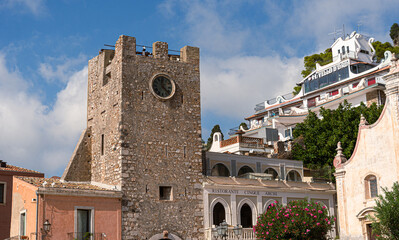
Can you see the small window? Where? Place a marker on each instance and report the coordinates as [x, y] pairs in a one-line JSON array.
[[371, 186], [339, 51], [343, 49], [102, 144], [347, 49], [355, 84], [2, 193], [312, 102], [287, 132], [293, 176], [165, 193], [107, 78], [22, 224], [371, 81], [333, 93], [84, 224]]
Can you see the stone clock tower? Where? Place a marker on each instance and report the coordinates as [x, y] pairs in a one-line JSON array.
[[143, 137]]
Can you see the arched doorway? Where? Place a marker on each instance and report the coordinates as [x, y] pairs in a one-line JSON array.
[[273, 172], [244, 170], [219, 214], [294, 176], [220, 170], [246, 216]]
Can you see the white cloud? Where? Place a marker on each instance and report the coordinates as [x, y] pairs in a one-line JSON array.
[[33, 135], [231, 87], [62, 71], [36, 7], [318, 18]]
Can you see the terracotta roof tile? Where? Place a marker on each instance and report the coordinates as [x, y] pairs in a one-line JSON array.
[[17, 169], [56, 183]]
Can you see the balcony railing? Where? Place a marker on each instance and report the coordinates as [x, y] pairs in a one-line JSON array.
[[246, 142], [247, 234], [86, 236]]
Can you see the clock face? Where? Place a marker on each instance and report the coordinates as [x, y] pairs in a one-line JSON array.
[[163, 87]]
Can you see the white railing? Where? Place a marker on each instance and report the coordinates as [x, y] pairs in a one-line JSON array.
[[247, 234]]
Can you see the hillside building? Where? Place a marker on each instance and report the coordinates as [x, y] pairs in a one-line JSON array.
[[353, 75]]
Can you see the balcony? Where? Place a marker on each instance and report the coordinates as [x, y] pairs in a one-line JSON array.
[[247, 234], [244, 142]]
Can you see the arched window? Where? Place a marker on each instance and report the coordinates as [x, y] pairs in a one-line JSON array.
[[269, 204], [219, 214], [246, 216], [273, 172], [371, 186], [244, 170], [294, 176], [220, 170]]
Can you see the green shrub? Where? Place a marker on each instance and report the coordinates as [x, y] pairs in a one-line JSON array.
[[300, 219], [387, 205]]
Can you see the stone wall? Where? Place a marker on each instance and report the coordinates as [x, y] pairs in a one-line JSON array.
[[161, 145], [79, 167], [140, 142], [104, 117]]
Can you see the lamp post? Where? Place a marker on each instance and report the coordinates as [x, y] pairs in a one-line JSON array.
[[222, 229], [46, 226], [214, 232], [237, 231]]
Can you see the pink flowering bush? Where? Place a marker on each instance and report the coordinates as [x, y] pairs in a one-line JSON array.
[[298, 220]]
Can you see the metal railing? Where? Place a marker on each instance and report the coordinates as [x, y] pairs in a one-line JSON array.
[[248, 142], [247, 234], [86, 236]]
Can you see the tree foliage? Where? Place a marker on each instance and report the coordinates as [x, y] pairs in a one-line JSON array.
[[386, 226], [380, 49], [318, 137], [215, 129], [243, 125], [321, 58], [298, 220], [394, 33], [297, 89]]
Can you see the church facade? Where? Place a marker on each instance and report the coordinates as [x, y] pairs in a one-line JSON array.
[[374, 164]]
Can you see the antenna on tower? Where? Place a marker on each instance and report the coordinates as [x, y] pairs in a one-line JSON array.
[[336, 31], [359, 23]]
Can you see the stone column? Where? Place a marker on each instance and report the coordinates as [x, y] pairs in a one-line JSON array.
[[233, 207]]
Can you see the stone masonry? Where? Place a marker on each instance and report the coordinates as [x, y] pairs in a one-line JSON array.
[[140, 143]]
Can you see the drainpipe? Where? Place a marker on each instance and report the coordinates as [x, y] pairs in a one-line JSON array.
[[37, 214]]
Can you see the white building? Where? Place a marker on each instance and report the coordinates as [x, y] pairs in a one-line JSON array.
[[353, 76], [239, 188]]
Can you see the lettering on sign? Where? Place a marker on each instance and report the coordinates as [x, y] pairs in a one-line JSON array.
[[329, 70], [244, 192]]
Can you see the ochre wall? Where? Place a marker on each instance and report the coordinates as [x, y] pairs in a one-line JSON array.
[[5, 209], [60, 212]]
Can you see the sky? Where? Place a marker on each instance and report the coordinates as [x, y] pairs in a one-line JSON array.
[[250, 51]]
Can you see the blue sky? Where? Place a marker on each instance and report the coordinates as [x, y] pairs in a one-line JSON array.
[[250, 51]]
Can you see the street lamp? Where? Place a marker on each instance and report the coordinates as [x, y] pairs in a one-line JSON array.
[[237, 231], [214, 232], [46, 226], [222, 229]]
